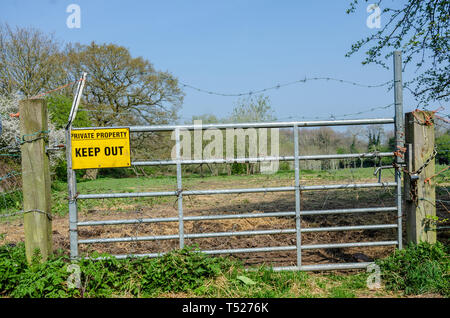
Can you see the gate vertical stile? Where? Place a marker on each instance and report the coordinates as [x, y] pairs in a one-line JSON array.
[[179, 187], [71, 177], [297, 199], [399, 139], [72, 192]]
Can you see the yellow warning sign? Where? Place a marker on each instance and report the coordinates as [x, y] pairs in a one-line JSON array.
[[100, 148]]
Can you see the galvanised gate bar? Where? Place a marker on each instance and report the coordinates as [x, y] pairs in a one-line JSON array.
[[296, 189]]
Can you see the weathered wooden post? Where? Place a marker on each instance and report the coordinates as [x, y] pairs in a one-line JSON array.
[[35, 178], [420, 196]]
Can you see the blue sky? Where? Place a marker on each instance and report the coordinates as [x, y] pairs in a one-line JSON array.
[[232, 47]]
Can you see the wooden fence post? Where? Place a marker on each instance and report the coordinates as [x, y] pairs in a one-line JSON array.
[[420, 196], [35, 178]]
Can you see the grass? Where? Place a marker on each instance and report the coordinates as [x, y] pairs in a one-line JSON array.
[[265, 283], [418, 269], [188, 273]]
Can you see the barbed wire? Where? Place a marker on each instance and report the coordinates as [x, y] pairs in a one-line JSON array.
[[10, 174], [9, 197], [435, 204], [56, 89], [445, 115], [25, 212], [278, 86], [291, 117], [14, 146], [334, 117], [104, 111], [304, 80], [324, 117], [9, 155], [37, 136]]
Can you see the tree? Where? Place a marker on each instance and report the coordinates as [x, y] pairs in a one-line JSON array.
[[374, 134], [420, 29], [326, 140], [252, 109], [125, 90], [10, 137], [205, 118], [248, 110], [59, 107], [122, 89], [30, 61], [355, 143], [10, 126]]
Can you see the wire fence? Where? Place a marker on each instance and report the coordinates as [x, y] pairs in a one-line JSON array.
[[10, 184], [11, 202]]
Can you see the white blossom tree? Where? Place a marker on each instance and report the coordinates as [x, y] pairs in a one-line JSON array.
[[10, 135]]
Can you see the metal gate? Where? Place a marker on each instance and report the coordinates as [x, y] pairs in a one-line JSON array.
[[74, 224]]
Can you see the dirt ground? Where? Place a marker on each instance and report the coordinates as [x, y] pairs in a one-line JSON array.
[[238, 204]]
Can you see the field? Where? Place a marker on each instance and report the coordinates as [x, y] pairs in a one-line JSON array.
[[112, 209]]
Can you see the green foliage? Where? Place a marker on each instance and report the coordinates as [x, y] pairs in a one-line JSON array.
[[12, 265], [107, 277], [417, 269], [59, 109], [391, 144], [20, 279], [238, 168], [60, 171], [127, 90], [116, 173], [44, 280], [284, 166], [387, 161], [181, 270], [12, 199], [206, 119], [443, 147], [353, 147]]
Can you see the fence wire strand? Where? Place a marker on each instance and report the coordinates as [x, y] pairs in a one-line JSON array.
[[278, 86]]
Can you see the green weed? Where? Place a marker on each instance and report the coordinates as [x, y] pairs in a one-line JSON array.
[[178, 271], [417, 269]]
